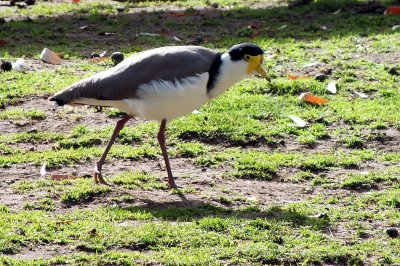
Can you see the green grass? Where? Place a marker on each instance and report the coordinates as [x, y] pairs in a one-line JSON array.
[[138, 180], [240, 159], [370, 180], [225, 238], [19, 114], [79, 155], [255, 164]]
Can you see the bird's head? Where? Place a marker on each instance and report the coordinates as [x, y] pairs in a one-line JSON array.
[[253, 55]]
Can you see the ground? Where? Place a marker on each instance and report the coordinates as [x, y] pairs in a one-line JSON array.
[[256, 189]]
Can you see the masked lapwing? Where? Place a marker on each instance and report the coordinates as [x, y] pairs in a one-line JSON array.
[[161, 84]]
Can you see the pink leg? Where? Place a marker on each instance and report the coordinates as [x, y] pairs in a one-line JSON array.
[[161, 140], [97, 174]]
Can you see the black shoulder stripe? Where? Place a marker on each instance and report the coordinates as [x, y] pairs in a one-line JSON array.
[[58, 101], [214, 72]]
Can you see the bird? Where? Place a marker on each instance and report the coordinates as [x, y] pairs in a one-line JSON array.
[[162, 84]]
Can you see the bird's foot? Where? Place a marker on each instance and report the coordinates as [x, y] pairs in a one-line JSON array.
[[98, 179], [173, 185]]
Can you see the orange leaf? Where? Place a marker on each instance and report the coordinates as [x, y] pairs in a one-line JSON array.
[[60, 55], [76, 1], [178, 14], [294, 77], [99, 59], [64, 222], [255, 34], [59, 177], [392, 10], [309, 98], [3, 42]]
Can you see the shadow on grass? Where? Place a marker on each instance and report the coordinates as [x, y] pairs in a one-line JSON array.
[[195, 210], [209, 27]]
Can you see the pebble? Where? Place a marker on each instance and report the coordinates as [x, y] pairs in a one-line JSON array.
[[198, 40], [6, 66], [94, 55], [117, 57], [323, 215], [328, 71], [121, 9], [22, 5], [20, 232], [393, 71], [392, 232], [320, 77], [32, 130]]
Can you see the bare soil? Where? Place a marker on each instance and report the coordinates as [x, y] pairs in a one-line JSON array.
[[210, 184]]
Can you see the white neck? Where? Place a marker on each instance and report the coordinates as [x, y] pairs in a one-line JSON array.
[[230, 73]]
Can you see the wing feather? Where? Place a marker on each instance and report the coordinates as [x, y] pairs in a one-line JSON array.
[[122, 81]]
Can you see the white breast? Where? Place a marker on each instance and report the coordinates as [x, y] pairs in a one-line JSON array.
[[162, 99]]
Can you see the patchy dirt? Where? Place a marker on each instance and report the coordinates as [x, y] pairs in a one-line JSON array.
[[210, 184], [43, 252]]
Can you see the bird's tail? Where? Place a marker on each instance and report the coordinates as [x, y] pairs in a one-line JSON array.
[[83, 88]]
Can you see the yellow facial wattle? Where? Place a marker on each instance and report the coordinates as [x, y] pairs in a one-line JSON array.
[[255, 63]]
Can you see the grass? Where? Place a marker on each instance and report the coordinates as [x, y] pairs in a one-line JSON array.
[[18, 114], [223, 237], [370, 180], [257, 189], [138, 180]]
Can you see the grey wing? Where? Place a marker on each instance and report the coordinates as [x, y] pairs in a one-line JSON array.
[[122, 81]]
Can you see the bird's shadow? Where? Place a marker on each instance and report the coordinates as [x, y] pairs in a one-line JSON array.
[[193, 210]]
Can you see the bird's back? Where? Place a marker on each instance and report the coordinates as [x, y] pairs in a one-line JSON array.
[[122, 81]]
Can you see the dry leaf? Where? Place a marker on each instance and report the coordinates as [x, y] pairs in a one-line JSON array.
[[298, 121], [269, 57], [178, 14], [176, 38], [3, 42], [310, 98], [360, 94], [60, 55], [59, 177], [258, 33], [392, 10], [196, 112], [64, 222], [332, 87], [149, 34], [98, 59], [294, 76], [313, 64]]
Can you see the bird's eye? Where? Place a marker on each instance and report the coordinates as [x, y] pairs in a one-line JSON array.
[[246, 57]]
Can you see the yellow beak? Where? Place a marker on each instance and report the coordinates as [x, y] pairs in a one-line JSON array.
[[255, 63]]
